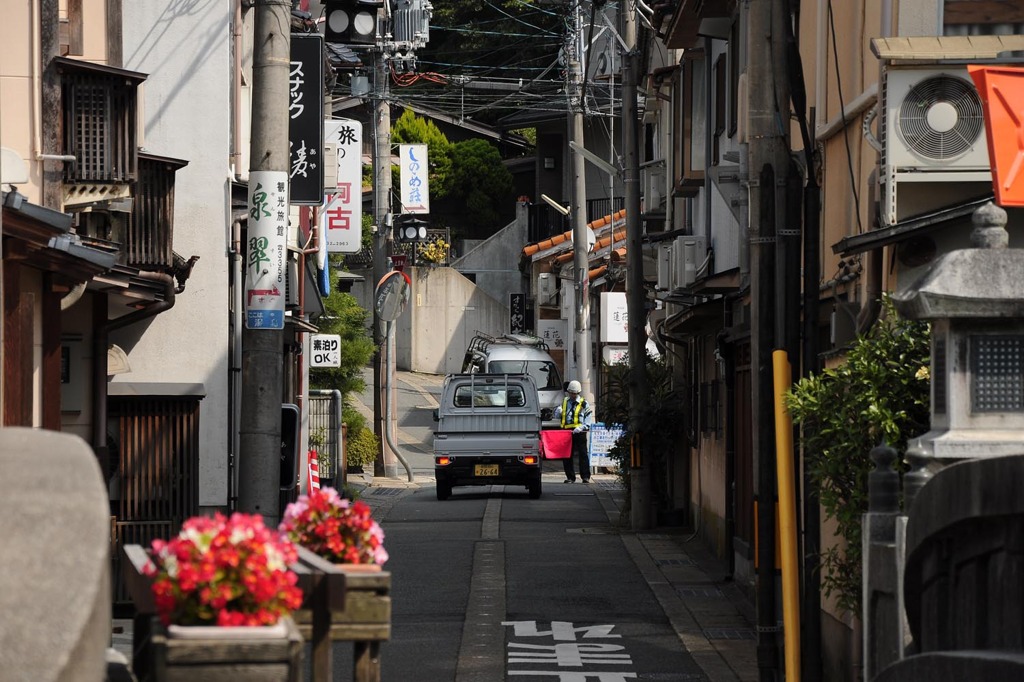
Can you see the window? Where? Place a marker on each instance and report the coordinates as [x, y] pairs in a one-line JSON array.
[[690, 124], [720, 99], [489, 396]]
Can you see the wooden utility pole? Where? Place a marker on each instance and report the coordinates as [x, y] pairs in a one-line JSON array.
[[262, 353]]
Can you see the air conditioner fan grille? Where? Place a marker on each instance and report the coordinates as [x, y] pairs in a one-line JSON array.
[[951, 100]]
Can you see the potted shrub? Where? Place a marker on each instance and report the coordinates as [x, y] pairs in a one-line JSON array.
[[361, 450]]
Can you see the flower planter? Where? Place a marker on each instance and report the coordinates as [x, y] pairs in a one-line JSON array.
[[279, 629], [227, 654]]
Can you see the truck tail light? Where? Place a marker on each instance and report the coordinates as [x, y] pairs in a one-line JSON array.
[[530, 459], [442, 460]]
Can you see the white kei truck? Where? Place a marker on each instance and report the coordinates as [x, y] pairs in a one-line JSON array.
[[488, 433]]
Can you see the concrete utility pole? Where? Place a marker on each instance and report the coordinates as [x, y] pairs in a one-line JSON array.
[[262, 353], [386, 464], [580, 249], [768, 163]]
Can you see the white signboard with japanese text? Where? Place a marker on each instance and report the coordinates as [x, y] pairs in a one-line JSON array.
[[342, 217], [614, 317], [325, 350], [602, 439], [266, 257], [415, 189], [615, 355], [555, 333]]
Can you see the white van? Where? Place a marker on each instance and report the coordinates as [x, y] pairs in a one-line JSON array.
[[518, 354]]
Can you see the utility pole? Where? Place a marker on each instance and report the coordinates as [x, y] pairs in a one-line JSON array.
[[636, 296], [768, 162], [385, 465], [640, 468], [581, 247], [262, 353]]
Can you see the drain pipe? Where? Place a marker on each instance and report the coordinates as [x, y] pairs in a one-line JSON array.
[[388, 404], [102, 327], [235, 359], [73, 296]]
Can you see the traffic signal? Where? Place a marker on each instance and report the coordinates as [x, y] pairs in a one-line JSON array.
[[409, 228], [351, 22]]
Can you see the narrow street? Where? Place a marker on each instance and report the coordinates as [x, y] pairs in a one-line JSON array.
[[490, 585]]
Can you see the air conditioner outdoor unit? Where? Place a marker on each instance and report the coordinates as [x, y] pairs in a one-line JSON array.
[[688, 254], [932, 133], [664, 266]]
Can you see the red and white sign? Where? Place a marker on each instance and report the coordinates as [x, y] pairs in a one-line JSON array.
[[342, 215]]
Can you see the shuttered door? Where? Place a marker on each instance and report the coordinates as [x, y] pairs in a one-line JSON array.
[[155, 442]]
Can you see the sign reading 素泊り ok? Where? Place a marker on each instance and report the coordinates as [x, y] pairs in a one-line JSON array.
[[342, 217], [325, 350], [265, 246], [415, 190]]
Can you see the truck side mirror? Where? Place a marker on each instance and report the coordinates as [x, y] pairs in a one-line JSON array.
[[546, 413]]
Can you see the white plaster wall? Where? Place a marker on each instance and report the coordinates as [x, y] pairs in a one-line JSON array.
[[186, 50]]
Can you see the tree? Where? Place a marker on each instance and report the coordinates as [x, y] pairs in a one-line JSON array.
[[345, 317], [880, 393], [482, 190], [663, 420]]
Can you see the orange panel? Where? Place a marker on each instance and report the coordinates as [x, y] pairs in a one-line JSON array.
[[1002, 97]]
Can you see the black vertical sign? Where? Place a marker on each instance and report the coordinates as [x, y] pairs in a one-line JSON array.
[[306, 120], [516, 313]]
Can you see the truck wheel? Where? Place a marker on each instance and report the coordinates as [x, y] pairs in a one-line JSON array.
[[534, 488], [444, 490]]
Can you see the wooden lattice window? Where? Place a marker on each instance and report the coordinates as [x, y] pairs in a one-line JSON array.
[[100, 114], [150, 235]]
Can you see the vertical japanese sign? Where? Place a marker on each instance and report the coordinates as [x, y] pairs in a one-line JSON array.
[[342, 217], [305, 119], [516, 313], [614, 317], [415, 187], [266, 243]]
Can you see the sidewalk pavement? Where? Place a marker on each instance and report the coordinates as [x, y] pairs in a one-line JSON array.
[[713, 618]]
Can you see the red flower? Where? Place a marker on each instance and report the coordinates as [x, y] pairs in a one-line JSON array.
[[334, 528], [220, 571]]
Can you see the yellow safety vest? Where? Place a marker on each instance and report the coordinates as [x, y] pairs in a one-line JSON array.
[[572, 423]]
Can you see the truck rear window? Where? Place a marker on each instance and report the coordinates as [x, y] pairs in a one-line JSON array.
[[489, 396]]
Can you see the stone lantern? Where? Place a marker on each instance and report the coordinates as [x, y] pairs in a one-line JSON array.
[[974, 300]]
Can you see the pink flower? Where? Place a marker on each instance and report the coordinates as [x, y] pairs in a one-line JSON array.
[[332, 527]]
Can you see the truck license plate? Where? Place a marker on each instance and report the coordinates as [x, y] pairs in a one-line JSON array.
[[485, 470]]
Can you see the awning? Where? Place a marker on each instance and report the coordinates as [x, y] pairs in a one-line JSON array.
[[868, 241], [944, 48], [42, 238]]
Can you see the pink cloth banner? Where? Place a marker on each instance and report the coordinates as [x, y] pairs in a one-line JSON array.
[[557, 443]]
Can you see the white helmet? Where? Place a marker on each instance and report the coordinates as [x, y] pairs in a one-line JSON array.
[[574, 387]]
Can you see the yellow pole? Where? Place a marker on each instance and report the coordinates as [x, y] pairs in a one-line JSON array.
[[787, 517]]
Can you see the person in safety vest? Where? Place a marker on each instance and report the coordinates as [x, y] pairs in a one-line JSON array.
[[575, 413]]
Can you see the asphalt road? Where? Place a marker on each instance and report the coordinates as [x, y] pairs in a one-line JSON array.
[[491, 585]]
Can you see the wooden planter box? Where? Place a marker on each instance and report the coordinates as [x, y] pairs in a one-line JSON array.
[[344, 605], [218, 659]]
